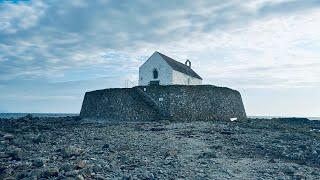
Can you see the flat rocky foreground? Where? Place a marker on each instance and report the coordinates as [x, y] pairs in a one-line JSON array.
[[62, 148]]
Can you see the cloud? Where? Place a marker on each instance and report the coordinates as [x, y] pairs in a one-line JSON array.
[[20, 16], [258, 44]]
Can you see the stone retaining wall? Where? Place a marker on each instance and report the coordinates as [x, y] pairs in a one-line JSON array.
[[179, 102], [116, 105]]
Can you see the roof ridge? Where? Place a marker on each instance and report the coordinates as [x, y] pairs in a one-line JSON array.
[[178, 66], [171, 58]]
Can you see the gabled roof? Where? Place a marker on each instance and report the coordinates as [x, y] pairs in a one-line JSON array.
[[178, 66]]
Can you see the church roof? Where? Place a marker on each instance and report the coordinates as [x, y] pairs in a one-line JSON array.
[[178, 66]]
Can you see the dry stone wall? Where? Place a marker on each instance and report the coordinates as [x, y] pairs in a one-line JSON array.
[[177, 102], [116, 105]]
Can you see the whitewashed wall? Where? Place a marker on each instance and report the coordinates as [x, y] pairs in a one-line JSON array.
[[181, 78], [146, 71]]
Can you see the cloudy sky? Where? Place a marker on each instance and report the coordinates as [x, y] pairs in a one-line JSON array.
[[53, 51]]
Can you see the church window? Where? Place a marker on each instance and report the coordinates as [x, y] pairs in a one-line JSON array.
[[155, 74]]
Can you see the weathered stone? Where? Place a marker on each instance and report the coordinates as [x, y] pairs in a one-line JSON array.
[[38, 162], [127, 177], [244, 156], [38, 139], [99, 177], [28, 116], [289, 170], [66, 167], [72, 173], [208, 155], [147, 176], [105, 147], [4, 155], [80, 164], [171, 153], [181, 103], [79, 177], [35, 174], [2, 168], [15, 154], [272, 160], [70, 151], [8, 137], [50, 172]]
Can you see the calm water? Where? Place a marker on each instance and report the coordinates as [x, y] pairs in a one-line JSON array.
[[18, 115], [270, 117]]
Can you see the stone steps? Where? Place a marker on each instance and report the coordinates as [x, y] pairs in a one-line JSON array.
[[151, 103], [139, 99]]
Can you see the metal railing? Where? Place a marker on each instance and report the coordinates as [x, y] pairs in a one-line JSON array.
[[129, 84]]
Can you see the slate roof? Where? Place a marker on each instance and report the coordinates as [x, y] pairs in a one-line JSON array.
[[178, 66]]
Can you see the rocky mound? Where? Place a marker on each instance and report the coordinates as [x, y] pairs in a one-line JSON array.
[[60, 148]]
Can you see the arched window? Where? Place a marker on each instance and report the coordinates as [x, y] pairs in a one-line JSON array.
[[155, 74]]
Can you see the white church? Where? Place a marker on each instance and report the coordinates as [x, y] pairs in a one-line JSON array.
[[160, 69]]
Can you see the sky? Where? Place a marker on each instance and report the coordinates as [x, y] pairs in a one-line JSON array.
[[53, 51]]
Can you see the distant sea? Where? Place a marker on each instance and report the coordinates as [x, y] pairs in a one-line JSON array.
[[19, 115], [270, 117]]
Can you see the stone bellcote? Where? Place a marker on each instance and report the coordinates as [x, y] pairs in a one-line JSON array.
[[188, 63]]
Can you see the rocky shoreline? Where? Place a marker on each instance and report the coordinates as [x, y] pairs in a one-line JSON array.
[[70, 148]]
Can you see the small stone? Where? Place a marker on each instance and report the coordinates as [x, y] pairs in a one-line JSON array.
[[289, 170], [15, 154], [171, 153], [123, 158], [66, 167], [80, 177], [8, 137], [2, 168], [299, 176], [50, 172], [70, 151], [4, 155], [105, 147], [148, 176], [38, 139], [22, 175], [127, 177], [72, 173], [99, 177], [28, 116], [272, 161], [35, 174], [81, 164], [208, 155], [38, 162]]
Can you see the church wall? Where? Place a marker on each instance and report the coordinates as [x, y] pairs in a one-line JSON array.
[[155, 62], [182, 79]]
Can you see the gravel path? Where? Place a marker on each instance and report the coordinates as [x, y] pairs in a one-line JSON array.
[[62, 148]]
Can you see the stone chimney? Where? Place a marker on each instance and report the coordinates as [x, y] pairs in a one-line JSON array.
[[188, 63]]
